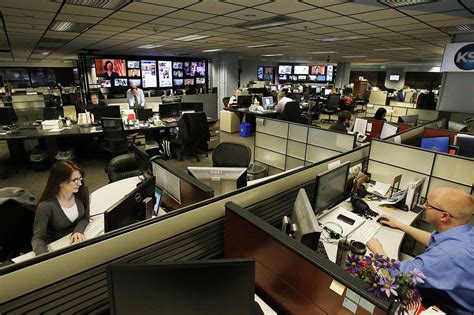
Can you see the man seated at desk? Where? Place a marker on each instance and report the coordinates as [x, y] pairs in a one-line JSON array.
[[135, 97], [344, 121], [95, 101], [447, 262], [282, 100]]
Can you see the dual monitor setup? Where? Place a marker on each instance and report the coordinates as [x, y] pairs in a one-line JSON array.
[[463, 145]]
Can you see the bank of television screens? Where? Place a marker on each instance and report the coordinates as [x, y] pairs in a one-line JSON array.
[[110, 68], [148, 68], [330, 188], [439, 144], [265, 73], [282, 69], [301, 69]]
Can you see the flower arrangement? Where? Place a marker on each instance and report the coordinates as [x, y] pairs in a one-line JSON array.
[[383, 277]]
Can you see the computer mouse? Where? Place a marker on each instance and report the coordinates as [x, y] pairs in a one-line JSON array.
[[382, 221]]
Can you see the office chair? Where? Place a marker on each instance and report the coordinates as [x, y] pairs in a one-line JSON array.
[[226, 100], [193, 134], [115, 139], [231, 154], [16, 229], [52, 112], [122, 166], [292, 113], [330, 108]]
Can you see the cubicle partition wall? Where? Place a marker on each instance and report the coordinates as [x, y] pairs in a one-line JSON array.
[[282, 145], [393, 112], [73, 279], [387, 160], [291, 277]]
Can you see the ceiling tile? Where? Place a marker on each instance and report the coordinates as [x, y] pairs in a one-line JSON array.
[[169, 21], [440, 6], [314, 15], [215, 7], [146, 8], [77, 18], [248, 3], [337, 21], [189, 15], [134, 17], [393, 22], [354, 8], [250, 14], [285, 7], [82, 10], [172, 3], [378, 15], [221, 20]]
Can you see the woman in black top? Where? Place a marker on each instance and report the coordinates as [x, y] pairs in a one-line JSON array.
[[380, 114], [63, 207]]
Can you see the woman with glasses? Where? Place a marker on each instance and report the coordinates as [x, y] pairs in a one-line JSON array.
[[63, 207]]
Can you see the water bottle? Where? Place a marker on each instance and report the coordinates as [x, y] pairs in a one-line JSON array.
[[343, 250]]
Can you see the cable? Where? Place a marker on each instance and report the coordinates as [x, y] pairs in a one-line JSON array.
[[333, 234]]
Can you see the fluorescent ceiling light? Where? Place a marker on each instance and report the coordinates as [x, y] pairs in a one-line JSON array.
[[356, 56], [45, 53], [212, 50], [335, 39], [272, 55], [262, 45], [149, 46], [62, 26], [322, 52], [394, 48], [273, 21], [109, 4], [405, 3], [189, 38]]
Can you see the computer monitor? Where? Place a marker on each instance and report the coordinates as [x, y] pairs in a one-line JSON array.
[[6, 116], [466, 145], [106, 111], [244, 101], [143, 114], [221, 179], [218, 286], [192, 107], [169, 110], [132, 208], [414, 191], [388, 130], [330, 187], [307, 230], [410, 119], [267, 101], [439, 144], [327, 92], [180, 189]]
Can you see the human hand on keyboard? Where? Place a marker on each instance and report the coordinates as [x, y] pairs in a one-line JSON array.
[[77, 238], [388, 221]]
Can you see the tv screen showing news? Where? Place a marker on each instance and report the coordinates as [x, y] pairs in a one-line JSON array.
[[177, 73], [285, 69], [283, 77], [318, 70], [134, 73], [110, 68], [302, 78], [193, 69], [104, 83], [177, 65], [120, 82], [178, 82], [149, 73], [301, 69], [200, 80], [164, 74], [188, 81], [293, 78], [329, 73], [133, 64], [132, 82]]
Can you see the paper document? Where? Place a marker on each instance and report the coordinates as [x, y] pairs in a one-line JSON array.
[[396, 197], [360, 126], [379, 188]]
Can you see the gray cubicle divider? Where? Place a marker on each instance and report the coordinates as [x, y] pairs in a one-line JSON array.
[[393, 112], [417, 131], [282, 145], [75, 279]]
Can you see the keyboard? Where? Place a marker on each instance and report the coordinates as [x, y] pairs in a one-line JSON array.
[[93, 229], [366, 231]]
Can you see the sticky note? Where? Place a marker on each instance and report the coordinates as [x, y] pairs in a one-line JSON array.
[[337, 287]]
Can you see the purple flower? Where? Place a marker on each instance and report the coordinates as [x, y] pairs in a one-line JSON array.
[[375, 289], [353, 264], [374, 259], [388, 286], [418, 276], [392, 264]]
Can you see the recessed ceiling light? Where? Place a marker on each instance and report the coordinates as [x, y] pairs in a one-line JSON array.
[[262, 45], [405, 3], [458, 28], [109, 4], [45, 53], [272, 55], [62, 26], [212, 50], [355, 56], [322, 52], [189, 38], [394, 48], [273, 21], [149, 46]]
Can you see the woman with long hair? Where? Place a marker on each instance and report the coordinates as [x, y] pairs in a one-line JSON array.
[[63, 207], [380, 114]]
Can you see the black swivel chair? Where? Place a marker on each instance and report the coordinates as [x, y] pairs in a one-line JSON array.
[[226, 100], [52, 112], [115, 139], [231, 154], [193, 134], [331, 108], [122, 166], [292, 113]]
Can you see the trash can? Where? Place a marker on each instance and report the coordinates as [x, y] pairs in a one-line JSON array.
[[245, 130], [65, 154], [255, 171], [39, 160]]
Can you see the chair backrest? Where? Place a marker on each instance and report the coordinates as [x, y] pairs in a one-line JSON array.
[[333, 102], [115, 139], [197, 129], [52, 112], [231, 154], [291, 112], [226, 100]]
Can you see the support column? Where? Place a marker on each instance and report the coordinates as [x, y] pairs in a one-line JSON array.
[[226, 74], [342, 75]]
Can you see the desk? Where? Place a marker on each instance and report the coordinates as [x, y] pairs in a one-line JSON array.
[[101, 199], [390, 238], [249, 116]]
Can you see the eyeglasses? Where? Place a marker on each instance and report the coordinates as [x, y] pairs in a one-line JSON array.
[[427, 206], [77, 180]]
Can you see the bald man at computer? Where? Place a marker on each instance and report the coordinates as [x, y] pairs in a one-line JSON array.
[[448, 260]]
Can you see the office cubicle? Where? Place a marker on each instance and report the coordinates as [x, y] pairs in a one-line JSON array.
[[393, 112], [75, 279], [282, 145]]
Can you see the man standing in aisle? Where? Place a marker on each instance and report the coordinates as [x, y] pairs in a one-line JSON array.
[[135, 97], [447, 263]]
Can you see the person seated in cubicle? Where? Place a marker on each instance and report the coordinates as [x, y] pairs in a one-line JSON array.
[[95, 101], [380, 114], [63, 207], [135, 97], [344, 121], [282, 100], [233, 98], [447, 263]]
